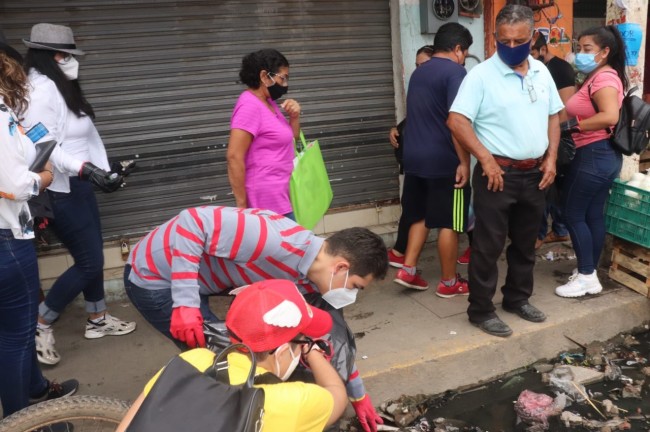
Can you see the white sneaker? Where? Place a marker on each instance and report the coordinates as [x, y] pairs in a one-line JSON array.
[[109, 326], [580, 285], [45, 351]]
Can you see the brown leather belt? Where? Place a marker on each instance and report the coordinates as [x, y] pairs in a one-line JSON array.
[[522, 165]]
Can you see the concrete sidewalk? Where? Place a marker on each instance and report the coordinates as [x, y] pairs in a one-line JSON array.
[[408, 341]]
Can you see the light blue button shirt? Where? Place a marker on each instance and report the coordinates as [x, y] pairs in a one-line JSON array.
[[509, 112]]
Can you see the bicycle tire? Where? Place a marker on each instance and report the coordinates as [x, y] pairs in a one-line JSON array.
[[73, 409]]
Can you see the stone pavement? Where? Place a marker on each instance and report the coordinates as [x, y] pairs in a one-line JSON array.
[[408, 341]]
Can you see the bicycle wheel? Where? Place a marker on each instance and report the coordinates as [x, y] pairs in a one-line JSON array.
[[67, 414]]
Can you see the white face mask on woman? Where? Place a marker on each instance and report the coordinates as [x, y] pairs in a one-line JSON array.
[[70, 67], [292, 366]]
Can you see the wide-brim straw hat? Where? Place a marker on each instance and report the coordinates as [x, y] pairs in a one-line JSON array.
[[52, 37], [7, 49]]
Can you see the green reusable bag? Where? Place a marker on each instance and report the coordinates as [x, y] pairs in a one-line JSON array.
[[309, 187]]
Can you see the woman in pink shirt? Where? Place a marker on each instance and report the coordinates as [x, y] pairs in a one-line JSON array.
[[593, 112], [260, 149]]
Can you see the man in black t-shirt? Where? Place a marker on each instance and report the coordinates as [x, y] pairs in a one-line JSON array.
[[561, 71], [565, 80]]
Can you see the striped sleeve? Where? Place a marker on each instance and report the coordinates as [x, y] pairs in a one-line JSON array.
[[187, 246]]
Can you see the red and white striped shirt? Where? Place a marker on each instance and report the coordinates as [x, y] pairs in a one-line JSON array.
[[209, 250]]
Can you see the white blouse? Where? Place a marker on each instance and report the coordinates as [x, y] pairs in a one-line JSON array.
[[17, 183], [77, 138]]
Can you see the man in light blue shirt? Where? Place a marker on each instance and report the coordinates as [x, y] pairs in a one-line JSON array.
[[506, 115]]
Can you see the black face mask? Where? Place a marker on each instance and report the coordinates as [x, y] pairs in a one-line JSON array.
[[276, 91], [541, 58]]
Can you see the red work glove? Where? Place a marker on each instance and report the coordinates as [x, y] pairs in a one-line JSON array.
[[368, 417], [187, 326]]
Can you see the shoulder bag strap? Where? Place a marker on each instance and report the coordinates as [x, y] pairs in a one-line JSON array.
[[220, 365]]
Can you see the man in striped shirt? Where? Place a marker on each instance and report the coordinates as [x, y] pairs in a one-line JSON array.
[[209, 250]]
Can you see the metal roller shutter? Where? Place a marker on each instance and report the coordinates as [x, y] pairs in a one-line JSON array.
[[162, 78]]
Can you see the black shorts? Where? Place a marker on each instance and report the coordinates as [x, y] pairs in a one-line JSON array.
[[437, 201]]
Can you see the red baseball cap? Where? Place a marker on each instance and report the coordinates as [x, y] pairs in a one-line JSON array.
[[272, 312]]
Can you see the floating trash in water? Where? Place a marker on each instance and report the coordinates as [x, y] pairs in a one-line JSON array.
[[535, 408], [616, 402]]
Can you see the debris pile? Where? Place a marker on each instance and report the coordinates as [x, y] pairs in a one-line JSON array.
[[599, 361], [615, 367]]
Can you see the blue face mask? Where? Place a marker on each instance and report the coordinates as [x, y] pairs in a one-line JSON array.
[[586, 62], [513, 56]]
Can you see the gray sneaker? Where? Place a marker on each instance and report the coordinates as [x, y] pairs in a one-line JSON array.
[[108, 326], [56, 390]]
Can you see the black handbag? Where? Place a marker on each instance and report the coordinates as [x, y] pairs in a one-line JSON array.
[[185, 399], [40, 206], [566, 151]]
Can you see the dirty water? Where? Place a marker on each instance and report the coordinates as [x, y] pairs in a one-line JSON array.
[[490, 407]]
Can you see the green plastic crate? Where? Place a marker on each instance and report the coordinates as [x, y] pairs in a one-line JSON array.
[[628, 217]]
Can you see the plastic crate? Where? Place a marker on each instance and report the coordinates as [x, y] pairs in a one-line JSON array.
[[628, 217]]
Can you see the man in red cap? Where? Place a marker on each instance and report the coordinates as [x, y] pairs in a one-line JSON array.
[[273, 319]]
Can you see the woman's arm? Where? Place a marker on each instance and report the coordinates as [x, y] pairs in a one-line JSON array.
[[238, 146], [292, 108], [606, 99], [126, 421], [327, 377], [16, 181], [47, 176]]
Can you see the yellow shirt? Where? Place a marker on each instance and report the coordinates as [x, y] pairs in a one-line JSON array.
[[288, 406]]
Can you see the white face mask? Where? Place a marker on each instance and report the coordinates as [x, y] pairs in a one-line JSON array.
[[292, 366], [340, 297], [70, 67]]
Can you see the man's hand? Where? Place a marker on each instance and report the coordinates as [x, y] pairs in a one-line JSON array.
[[462, 176], [494, 173], [548, 167], [187, 326], [392, 137], [368, 417]]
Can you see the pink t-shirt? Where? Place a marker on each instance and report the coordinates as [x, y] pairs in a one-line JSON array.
[[269, 160], [580, 104]]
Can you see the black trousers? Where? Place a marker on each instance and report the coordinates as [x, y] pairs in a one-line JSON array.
[[514, 213]]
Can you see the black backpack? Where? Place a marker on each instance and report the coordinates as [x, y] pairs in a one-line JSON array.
[[184, 399], [632, 132]]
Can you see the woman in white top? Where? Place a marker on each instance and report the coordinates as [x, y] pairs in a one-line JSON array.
[[21, 381], [57, 102]]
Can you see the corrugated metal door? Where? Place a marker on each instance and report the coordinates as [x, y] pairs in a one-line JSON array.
[[162, 78]]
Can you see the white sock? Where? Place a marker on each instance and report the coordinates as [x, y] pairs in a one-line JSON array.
[[98, 320]]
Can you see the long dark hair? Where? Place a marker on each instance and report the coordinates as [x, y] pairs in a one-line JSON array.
[[609, 36], [43, 61]]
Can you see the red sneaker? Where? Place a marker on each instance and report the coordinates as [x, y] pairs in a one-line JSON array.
[[464, 258], [394, 260], [411, 281], [459, 288]]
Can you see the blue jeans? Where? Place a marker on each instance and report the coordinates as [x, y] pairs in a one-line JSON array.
[[585, 190], [557, 222], [156, 306], [20, 374], [77, 224]]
